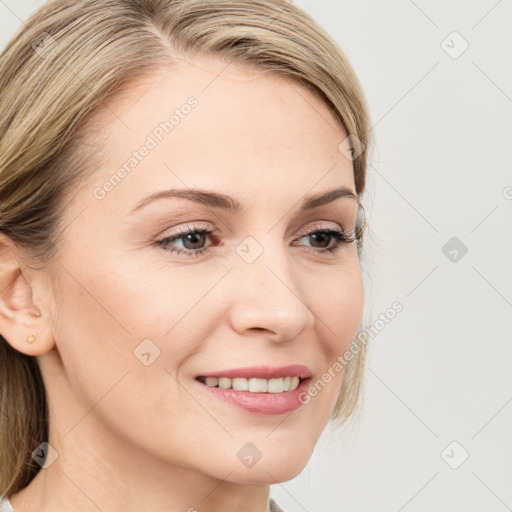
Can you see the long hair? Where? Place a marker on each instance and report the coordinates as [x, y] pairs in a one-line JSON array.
[[62, 65]]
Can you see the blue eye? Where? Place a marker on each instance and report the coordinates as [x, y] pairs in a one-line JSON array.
[[196, 237]]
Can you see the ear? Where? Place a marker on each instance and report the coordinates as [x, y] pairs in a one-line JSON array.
[[19, 316]]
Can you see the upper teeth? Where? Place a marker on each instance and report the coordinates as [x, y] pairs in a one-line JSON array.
[[254, 385]]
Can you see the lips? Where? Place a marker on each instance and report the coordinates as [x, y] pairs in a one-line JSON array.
[[261, 372], [275, 401]]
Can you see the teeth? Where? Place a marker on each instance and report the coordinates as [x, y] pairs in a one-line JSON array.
[[254, 385], [240, 384], [224, 383], [258, 385]]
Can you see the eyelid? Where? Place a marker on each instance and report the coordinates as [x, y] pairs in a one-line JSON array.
[[196, 226], [318, 227]]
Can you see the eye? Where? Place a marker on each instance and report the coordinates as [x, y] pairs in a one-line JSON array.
[[194, 238], [339, 236]]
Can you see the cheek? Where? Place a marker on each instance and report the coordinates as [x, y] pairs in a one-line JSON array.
[[338, 307], [94, 338], [103, 320], [112, 315]]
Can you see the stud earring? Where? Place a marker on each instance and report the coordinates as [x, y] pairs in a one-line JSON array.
[[31, 338]]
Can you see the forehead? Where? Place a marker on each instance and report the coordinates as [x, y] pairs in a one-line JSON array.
[[208, 124], [229, 96]]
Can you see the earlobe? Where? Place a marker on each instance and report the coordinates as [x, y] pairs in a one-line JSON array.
[[22, 324]]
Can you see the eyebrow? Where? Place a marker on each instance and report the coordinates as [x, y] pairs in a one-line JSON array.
[[224, 202]]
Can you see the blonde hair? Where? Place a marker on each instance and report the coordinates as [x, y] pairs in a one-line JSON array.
[[56, 73]]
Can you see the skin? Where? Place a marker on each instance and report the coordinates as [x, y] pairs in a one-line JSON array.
[[136, 437]]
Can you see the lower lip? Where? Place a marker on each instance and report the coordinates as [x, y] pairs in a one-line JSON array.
[[261, 403]]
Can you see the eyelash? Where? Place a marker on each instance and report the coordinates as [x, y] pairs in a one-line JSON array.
[[340, 236]]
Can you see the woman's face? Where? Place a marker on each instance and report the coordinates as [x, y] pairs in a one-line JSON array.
[[138, 321]]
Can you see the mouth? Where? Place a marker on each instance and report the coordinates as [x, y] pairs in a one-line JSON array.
[[253, 385], [258, 379], [261, 390]]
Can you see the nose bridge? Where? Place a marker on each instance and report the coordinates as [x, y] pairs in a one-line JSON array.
[[264, 264], [267, 293]]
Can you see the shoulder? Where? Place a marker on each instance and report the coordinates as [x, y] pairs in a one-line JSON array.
[[273, 507], [5, 504]]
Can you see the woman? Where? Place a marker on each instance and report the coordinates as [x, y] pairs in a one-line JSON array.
[[181, 226]]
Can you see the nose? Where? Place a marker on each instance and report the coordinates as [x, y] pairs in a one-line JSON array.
[[267, 299]]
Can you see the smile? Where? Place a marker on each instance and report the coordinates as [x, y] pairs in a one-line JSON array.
[[253, 385]]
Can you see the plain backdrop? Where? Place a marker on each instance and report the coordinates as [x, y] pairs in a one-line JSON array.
[[434, 430]]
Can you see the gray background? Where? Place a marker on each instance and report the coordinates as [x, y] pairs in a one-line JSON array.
[[438, 386]]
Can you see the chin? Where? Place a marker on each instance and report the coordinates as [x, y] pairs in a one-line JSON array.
[[275, 465]]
